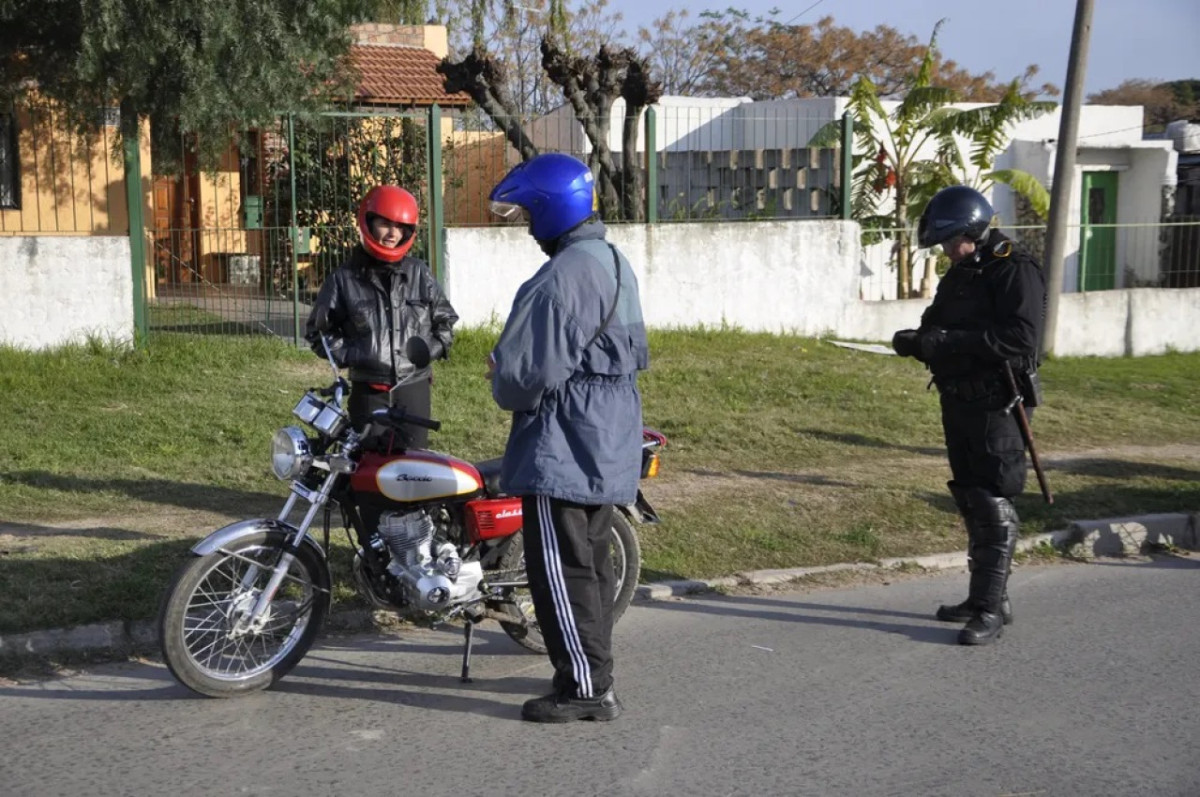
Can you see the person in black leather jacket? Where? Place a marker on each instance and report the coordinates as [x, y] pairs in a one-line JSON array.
[[989, 309], [373, 304]]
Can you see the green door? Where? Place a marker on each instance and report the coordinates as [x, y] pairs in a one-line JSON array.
[[1098, 245]]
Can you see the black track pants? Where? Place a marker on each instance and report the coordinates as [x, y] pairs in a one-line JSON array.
[[568, 558]]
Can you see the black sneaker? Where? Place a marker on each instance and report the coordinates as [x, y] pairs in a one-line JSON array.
[[564, 708]]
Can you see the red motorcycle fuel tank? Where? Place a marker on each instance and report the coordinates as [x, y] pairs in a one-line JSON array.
[[415, 476]]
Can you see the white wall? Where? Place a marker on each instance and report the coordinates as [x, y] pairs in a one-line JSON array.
[[63, 289], [753, 275], [682, 124], [799, 277]]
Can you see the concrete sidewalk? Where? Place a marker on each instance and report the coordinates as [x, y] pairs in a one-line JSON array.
[[1082, 539]]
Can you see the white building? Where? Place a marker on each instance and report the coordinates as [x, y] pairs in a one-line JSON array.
[[1123, 182]]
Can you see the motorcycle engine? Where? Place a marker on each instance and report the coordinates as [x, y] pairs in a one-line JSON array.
[[432, 575]]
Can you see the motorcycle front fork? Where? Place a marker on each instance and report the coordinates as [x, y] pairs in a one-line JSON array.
[[255, 621]]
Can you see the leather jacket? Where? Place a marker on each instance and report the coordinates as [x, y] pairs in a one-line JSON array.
[[369, 309]]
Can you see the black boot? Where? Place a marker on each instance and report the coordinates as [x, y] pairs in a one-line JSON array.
[[982, 629], [962, 612], [994, 531]]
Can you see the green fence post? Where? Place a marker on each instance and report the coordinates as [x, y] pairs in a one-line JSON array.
[[294, 233], [437, 259], [651, 167], [847, 162], [131, 138]]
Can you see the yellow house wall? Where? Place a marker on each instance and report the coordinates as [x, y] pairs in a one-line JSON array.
[[220, 221], [70, 184]]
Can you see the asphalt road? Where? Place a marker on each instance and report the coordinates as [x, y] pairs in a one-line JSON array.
[[857, 691]]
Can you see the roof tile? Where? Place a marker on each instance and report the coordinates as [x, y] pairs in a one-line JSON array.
[[398, 75]]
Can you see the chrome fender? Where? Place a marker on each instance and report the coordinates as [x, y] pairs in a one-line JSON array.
[[245, 528]]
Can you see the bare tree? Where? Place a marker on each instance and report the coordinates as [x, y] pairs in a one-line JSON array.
[[590, 85], [484, 80]]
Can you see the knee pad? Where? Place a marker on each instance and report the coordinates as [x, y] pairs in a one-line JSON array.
[[995, 518]]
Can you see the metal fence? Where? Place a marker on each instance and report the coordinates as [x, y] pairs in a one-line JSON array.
[[244, 246], [1162, 254], [54, 179], [718, 161]]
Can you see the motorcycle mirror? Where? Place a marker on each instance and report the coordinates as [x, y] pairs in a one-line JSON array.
[[418, 352]]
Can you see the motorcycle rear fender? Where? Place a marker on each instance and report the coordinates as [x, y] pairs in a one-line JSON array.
[[640, 510], [246, 528]]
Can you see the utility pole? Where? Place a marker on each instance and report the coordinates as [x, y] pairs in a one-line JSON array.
[[1064, 169]]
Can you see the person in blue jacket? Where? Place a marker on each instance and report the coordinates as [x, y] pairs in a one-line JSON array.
[[566, 366]]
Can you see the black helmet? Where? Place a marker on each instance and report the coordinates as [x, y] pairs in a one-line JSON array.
[[954, 211]]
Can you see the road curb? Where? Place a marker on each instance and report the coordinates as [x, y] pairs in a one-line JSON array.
[[1084, 539]]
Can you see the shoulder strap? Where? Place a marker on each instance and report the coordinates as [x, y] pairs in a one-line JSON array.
[[616, 298]]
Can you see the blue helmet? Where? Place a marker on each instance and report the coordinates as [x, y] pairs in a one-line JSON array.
[[954, 211], [554, 191]]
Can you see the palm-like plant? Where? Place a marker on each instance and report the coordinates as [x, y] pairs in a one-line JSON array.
[[894, 163]]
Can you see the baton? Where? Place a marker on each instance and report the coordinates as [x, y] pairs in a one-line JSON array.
[[1018, 403]]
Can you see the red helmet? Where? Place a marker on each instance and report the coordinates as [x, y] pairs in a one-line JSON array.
[[394, 204]]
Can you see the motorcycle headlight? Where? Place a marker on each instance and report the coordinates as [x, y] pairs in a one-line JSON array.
[[291, 455]]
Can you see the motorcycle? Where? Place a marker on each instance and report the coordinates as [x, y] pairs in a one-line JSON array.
[[435, 540]]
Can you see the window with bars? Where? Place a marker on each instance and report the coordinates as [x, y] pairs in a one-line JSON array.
[[10, 194]]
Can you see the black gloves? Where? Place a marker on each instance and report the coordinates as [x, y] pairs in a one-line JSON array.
[[907, 343], [933, 344]]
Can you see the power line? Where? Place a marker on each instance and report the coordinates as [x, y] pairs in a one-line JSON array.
[[805, 11]]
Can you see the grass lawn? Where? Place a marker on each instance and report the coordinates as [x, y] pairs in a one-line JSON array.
[[783, 452]]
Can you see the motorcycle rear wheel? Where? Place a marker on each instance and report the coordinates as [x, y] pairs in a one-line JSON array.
[[627, 566], [197, 618]]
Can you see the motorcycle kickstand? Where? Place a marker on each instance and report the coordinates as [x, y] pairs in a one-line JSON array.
[[468, 637]]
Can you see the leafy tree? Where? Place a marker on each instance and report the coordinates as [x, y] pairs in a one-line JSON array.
[[895, 173], [1163, 102], [762, 58], [681, 55], [400, 12], [197, 68]]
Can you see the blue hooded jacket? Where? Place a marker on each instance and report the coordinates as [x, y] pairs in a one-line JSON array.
[[577, 414]]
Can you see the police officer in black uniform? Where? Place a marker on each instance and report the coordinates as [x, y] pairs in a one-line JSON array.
[[989, 309]]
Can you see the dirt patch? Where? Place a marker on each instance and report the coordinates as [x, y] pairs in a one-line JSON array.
[[138, 522], [679, 487]]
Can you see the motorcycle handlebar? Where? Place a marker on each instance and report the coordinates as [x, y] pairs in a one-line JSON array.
[[398, 417], [332, 390]]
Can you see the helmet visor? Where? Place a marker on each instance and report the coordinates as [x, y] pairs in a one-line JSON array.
[[509, 211]]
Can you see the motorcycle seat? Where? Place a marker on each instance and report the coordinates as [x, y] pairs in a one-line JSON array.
[[489, 471]]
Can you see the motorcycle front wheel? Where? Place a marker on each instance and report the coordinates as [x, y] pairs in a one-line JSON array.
[[627, 566], [201, 623]]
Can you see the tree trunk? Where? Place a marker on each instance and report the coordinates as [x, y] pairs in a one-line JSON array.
[[903, 265], [639, 91], [927, 278], [483, 80], [590, 85]]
